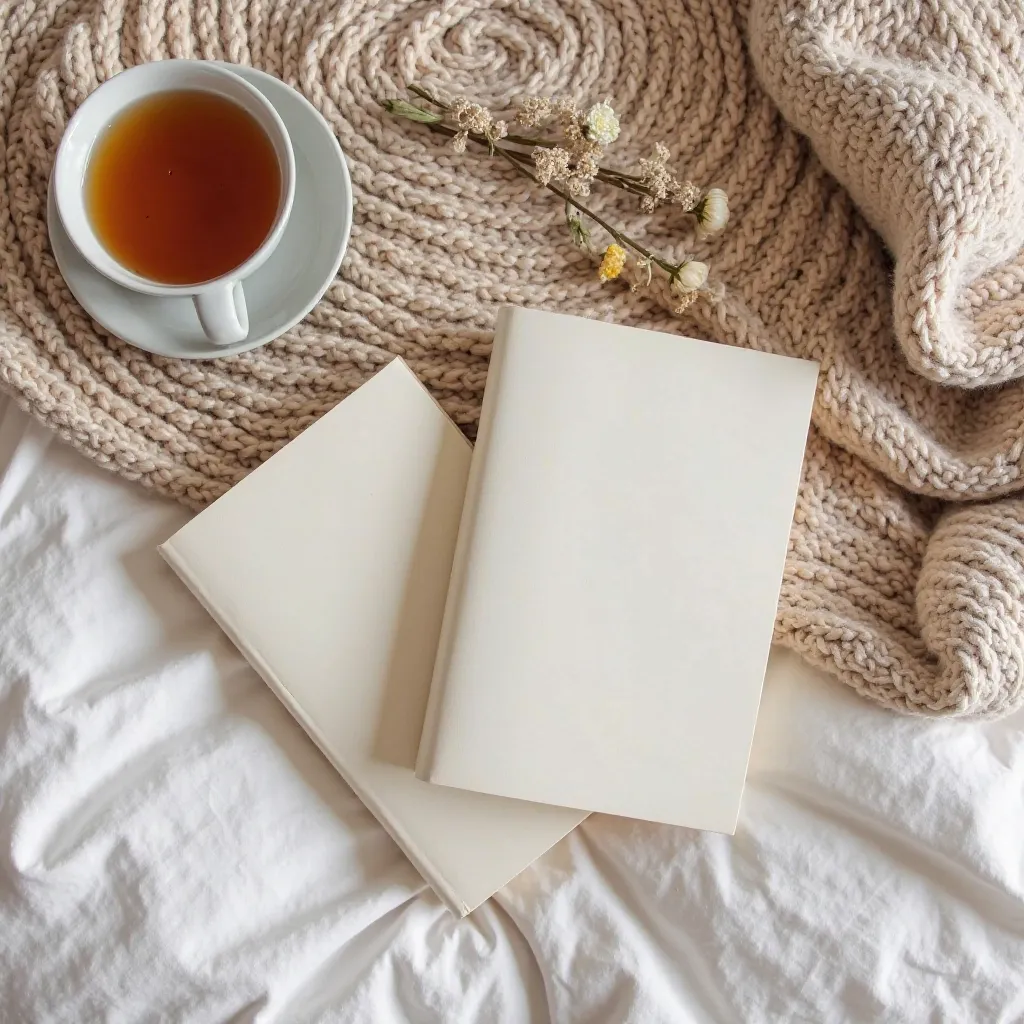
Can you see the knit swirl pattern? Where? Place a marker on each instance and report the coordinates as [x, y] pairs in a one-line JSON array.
[[877, 196]]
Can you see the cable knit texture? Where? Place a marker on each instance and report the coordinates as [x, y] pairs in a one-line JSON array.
[[899, 578]]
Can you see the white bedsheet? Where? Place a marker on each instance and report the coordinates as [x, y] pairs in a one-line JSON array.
[[173, 848]]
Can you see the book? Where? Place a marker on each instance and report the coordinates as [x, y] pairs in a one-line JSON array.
[[328, 568], [617, 570]]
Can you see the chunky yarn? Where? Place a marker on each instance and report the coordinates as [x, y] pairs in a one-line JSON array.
[[899, 579]]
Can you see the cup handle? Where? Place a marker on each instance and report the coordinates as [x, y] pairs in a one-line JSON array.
[[222, 314]]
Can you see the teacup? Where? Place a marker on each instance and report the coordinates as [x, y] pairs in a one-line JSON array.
[[219, 302]]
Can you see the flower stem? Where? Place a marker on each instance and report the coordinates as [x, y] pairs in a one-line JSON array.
[[625, 184], [417, 90], [621, 175]]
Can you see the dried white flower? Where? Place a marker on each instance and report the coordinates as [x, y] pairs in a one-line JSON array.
[[713, 211], [686, 195], [565, 110], [684, 302], [551, 164], [573, 132], [602, 123], [662, 186], [471, 117], [533, 112], [692, 275], [585, 156], [643, 275], [579, 188], [459, 142], [657, 178]]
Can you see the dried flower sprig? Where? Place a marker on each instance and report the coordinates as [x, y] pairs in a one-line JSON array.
[[662, 186], [568, 163]]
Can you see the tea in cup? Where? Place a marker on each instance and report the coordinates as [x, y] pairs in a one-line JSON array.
[[177, 178]]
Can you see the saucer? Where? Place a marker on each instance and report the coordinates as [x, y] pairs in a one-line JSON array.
[[280, 293]]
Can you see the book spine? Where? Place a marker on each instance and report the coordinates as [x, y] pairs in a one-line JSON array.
[[434, 718], [420, 861]]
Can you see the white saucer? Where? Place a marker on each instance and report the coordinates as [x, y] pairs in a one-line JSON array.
[[280, 293]]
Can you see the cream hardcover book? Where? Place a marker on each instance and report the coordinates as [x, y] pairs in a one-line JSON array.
[[617, 570], [328, 567]]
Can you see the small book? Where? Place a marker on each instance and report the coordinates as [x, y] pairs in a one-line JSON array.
[[617, 571], [328, 568]]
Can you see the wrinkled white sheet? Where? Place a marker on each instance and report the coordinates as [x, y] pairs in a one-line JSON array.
[[173, 848]]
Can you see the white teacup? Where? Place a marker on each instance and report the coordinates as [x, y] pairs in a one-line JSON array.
[[220, 302]]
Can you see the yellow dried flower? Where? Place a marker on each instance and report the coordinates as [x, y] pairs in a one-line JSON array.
[[613, 262]]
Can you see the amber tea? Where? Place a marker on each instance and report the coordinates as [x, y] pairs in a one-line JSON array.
[[183, 187]]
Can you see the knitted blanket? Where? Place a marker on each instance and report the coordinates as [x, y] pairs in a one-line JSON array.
[[873, 158]]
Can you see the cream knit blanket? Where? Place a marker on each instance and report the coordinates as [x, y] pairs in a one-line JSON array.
[[901, 578]]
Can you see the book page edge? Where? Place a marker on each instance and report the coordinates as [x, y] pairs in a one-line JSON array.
[[433, 719]]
